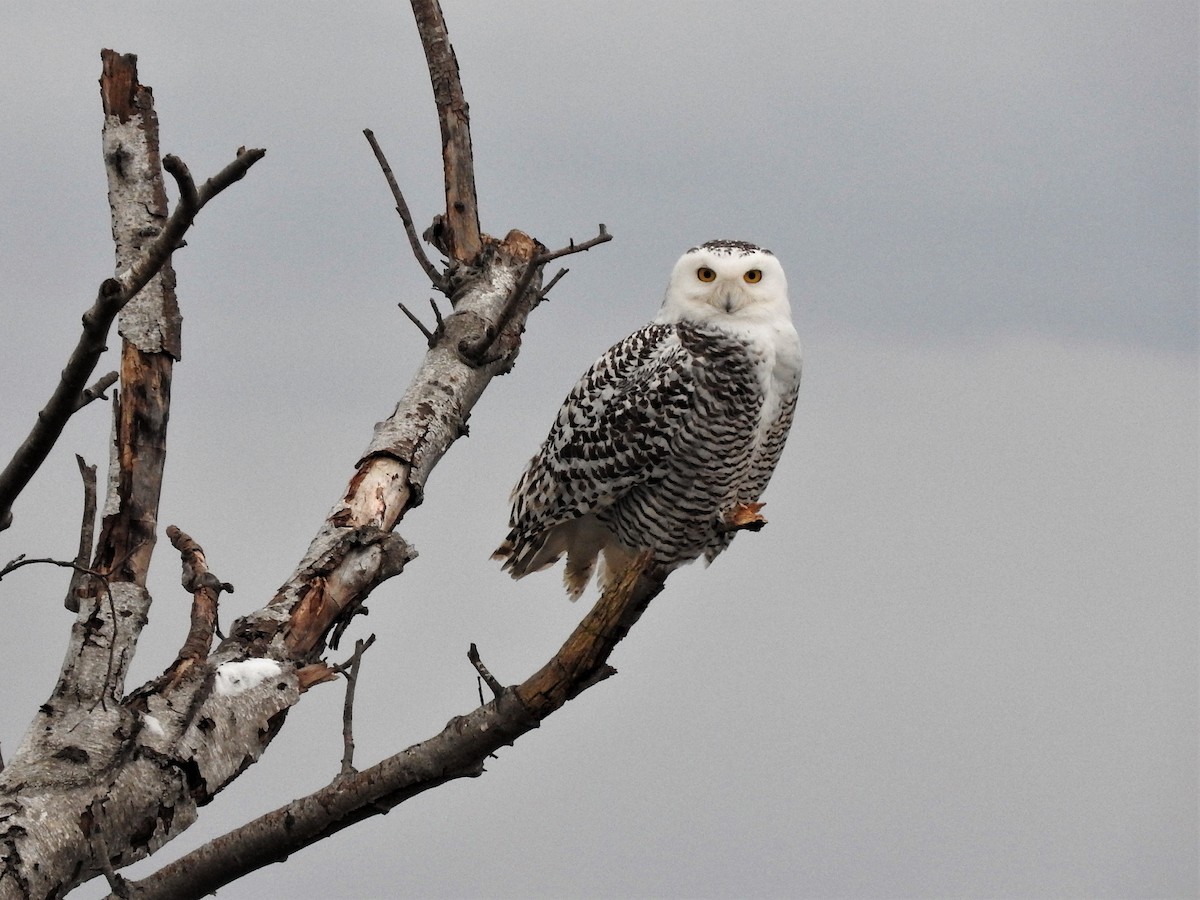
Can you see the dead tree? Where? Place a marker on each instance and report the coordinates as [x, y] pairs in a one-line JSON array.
[[105, 775]]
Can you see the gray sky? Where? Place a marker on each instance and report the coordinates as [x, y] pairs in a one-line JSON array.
[[961, 660]]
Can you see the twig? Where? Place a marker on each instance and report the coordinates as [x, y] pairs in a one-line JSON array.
[[21, 561], [414, 241], [572, 247], [487, 677], [87, 531], [96, 391], [478, 351], [350, 670], [430, 337], [437, 314], [536, 263], [116, 881], [550, 284], [94, 832]]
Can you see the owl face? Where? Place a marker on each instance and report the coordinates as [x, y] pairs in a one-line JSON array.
[[726, 283]]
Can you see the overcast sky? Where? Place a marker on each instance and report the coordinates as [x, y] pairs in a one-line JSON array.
[[961, 661]]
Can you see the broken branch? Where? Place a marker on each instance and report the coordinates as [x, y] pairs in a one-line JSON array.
[[488, 678], [460, 237], [87, 532], [205, 589], [96, 391]]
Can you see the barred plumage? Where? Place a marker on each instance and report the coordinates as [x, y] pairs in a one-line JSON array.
[[670, 429]]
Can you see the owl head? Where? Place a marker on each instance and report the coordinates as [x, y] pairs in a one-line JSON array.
[[726, 283]]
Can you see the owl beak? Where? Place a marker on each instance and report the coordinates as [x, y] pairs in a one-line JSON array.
[[728, 299]]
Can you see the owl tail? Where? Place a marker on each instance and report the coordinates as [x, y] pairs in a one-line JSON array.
[[580, 539]]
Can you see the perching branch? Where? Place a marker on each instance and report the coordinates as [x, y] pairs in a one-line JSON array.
[[741, 517], [459, 751]]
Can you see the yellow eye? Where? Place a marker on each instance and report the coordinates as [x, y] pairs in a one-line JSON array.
[[754, 276], [704, 273]]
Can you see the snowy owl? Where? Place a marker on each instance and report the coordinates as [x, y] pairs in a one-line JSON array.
[[668, 440]]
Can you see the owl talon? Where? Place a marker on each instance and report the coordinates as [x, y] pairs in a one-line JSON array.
[[742, 517]]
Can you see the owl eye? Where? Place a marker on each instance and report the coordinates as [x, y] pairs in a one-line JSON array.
[[754, 276], [704, 273]]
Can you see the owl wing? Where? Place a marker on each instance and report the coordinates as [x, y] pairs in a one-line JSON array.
[[616, 429]]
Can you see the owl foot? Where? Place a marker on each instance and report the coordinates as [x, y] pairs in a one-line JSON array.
[[741, 517]]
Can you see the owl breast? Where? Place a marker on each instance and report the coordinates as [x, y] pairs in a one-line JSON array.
[[744, 391]]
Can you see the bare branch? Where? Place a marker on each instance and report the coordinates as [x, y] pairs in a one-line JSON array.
[[437, 314], [350, 670], [459, 236], [354, 550], [87, 532], [21, 561], [191, 201], [436, 278], [549, 286], [64, 401], [430, 336], [572, 247]]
